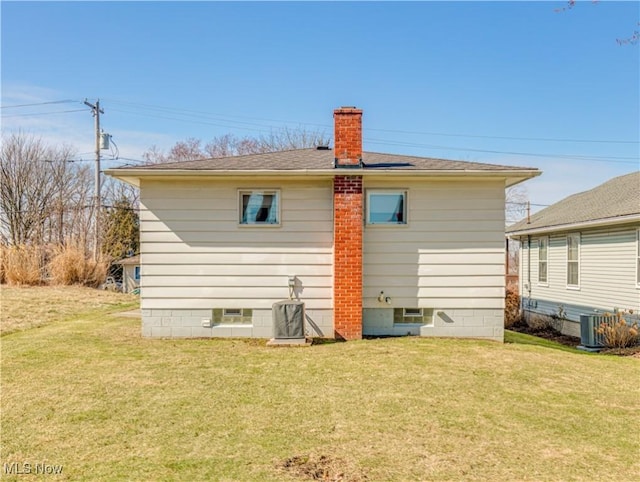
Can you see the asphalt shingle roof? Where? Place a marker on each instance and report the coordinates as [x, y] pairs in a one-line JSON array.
[[320, 159], [617, 197]]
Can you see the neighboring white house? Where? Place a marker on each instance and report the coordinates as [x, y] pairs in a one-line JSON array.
[[582, 254], [130, 273], [373, 243]]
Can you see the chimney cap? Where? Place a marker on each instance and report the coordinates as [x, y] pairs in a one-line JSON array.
[[348, 109]]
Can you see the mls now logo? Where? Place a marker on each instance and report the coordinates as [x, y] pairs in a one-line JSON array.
[[16, 468]]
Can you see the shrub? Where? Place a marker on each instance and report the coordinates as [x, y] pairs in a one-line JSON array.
[[22, 265], [512, 314], [71, 264], [617, 332], [538, 322]]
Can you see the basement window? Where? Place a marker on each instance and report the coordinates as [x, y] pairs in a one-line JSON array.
[[232, 316], [386, 207], [422, 316], [259, 207]]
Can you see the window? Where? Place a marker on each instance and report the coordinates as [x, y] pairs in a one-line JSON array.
[[543, 256], [136, 273], [573, 260], [422, 316], [260, 207], [232, 316], [386, 207]]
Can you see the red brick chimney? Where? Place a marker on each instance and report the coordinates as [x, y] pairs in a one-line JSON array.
[[347, 137], [348, 206]]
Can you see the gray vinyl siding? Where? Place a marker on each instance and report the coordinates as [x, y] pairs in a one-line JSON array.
[[608, 261], [196, 255]]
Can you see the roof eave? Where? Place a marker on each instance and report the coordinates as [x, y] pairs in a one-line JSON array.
[[133, 176], [574, 226]]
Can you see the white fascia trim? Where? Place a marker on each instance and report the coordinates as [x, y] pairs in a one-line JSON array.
[[575, 226], [512, 176]]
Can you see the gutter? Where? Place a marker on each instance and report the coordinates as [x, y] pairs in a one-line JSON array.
[[131, 174], [574, 226]]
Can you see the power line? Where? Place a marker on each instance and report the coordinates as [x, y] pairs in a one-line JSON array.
[[541, 139], [617, 159], [228, 118], [43, 113], [38, 103]]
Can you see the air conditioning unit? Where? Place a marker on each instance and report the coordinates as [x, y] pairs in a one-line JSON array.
[[288, 320], [590, 340]]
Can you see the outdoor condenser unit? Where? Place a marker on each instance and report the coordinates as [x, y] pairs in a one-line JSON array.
[[288, 320], [589, 338]]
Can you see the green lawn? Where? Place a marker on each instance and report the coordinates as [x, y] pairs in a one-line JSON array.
[[93, 396]]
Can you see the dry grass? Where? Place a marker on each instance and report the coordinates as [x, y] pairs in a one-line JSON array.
[[618, 331], [22, 308], [21, 265], [106, 404], [70, 264]]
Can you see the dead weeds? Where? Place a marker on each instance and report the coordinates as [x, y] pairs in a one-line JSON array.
[[320, 467]]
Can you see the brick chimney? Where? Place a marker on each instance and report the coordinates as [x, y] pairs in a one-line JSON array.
[[348, 210], [347, 137]]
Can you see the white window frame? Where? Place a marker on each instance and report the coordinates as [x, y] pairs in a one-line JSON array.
[[250, 191], [544, 282], [577, 261], [638, 258], [405, 207]]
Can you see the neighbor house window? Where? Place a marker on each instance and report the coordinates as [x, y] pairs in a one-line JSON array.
[[573, 260], [136, 273], [260, 207], [638, 258], [386, 207], [543, 256]]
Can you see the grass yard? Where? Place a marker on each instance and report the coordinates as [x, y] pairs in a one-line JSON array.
[[89, 394], [28, 307]]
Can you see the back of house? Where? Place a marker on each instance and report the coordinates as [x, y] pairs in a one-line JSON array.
[[371, 243]]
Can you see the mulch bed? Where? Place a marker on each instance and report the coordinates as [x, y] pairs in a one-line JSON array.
[[549, 333]]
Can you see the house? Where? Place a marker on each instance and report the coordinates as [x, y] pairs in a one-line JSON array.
[[582, 254], [130, 273], [373, 244]]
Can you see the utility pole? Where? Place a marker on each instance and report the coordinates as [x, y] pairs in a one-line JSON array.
[[96, 111]]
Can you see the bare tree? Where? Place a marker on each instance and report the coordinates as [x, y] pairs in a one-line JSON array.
[[32, 177], [231, 145], [45, 197], [516, 199]]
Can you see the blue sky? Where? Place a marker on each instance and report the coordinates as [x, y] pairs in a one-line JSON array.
[[477, 81]]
